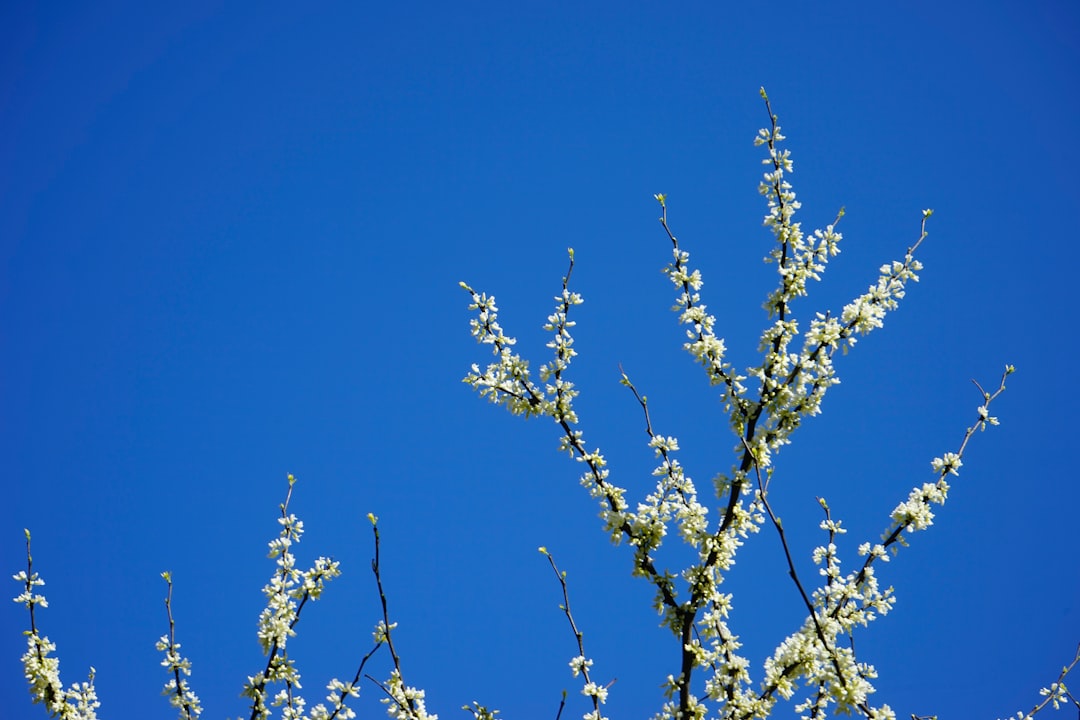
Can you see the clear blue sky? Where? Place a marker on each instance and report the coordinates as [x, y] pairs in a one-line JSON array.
[[230, 242]]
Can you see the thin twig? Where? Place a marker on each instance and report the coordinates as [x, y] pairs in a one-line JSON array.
[[578, 635], [411, 705], [794, 575], [179, 689]]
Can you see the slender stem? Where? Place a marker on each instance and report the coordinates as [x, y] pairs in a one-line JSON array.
[[410, 704], [794, 575], [578, 635], [181, 695]]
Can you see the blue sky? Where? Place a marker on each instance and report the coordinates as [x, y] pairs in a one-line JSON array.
[[230, 242]]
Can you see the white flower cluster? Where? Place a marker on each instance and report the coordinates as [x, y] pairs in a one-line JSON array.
[[597, 693], [480, 712], [180, 694], [405, 703], [579, 665]]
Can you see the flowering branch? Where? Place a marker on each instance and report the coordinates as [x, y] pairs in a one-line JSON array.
[[1056, 694], [403, 702], [580, 664], [507, 382], [43, 672], [790, 386], [287, 593], [915, 513], [833, 528], [178, 690]]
